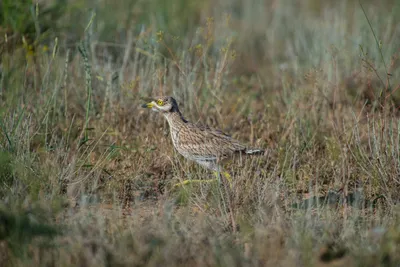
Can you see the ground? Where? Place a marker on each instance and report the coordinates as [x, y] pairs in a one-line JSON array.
[[87, 176]]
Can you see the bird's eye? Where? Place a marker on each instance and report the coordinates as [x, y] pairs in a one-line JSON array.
[[160, 102]]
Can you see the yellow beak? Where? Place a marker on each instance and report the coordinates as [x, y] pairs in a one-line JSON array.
[[148, 105]]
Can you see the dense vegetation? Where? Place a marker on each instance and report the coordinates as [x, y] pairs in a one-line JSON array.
[[86, 175]]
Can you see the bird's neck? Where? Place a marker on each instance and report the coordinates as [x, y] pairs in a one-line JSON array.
[[175, 119]]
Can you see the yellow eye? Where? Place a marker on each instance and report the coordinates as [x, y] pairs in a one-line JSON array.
[[160, 102]]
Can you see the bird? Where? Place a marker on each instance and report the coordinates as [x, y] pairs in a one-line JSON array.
[[209, 147]]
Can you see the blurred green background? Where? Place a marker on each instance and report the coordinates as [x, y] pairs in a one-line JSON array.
[[314, 82]]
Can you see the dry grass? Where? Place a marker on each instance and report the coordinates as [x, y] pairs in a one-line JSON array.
[[87, 175]]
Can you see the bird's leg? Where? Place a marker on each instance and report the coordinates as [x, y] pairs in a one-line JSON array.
[[217, 174], [220, 171], [186, 182], [226, 175]]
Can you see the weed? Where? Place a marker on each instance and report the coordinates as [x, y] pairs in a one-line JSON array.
[[86, 176]]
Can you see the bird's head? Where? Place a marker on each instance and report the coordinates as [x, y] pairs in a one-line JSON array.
[[162, 104]]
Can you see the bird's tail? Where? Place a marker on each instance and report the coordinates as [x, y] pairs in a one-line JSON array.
[[254, 151]]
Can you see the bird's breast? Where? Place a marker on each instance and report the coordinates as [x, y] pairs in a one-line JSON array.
[[175, 137]]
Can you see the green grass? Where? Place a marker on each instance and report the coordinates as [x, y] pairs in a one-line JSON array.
[[86, 175]]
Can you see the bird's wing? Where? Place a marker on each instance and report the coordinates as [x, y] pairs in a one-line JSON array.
[[203, 141]]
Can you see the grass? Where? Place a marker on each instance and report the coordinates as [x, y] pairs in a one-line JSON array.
[[87, 176]]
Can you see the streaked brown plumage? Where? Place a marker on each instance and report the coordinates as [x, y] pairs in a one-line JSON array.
[[204, 145]]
